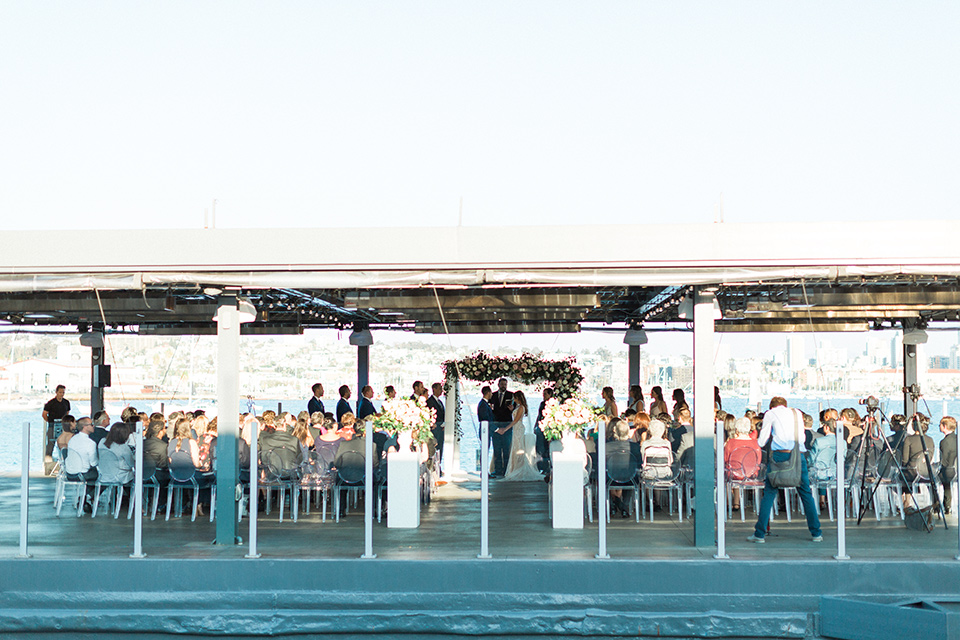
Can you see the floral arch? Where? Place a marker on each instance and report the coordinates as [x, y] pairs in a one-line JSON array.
[[563, 375]]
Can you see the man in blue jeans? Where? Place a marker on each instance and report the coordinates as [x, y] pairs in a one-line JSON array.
[[780, 426]]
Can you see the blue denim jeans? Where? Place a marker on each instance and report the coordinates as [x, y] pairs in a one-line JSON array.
[[770, 494]]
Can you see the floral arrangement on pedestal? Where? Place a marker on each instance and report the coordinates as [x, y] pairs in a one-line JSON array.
[[563, 376], [406, 416], [568, 417]]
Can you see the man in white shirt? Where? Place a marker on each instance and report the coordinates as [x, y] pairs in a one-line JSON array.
[[81, 462], [780, 427]]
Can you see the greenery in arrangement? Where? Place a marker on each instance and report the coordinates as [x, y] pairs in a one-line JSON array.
[[563, 376], [404, 414], [570, 416]]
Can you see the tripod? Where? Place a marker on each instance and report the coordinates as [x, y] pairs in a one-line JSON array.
[[873, 432]]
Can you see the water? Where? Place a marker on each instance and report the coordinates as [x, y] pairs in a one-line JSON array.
[[11, 421]]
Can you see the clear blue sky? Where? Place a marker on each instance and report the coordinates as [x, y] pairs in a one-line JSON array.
[[138, 114]]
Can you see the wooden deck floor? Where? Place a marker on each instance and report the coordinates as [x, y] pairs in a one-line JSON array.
[[450, 529]]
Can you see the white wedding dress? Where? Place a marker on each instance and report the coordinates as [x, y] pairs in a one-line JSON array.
[[522, 463]]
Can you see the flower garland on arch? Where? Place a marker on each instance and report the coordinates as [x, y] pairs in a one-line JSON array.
[[563, 376]]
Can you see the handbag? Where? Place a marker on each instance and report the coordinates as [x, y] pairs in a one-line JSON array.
[[787, 474]]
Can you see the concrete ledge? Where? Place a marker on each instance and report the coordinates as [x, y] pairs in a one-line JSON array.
[[469, 598]]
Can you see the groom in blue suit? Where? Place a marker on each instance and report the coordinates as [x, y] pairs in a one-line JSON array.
[[502, 404]]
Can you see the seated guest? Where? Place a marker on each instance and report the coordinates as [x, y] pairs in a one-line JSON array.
[[641, 425], [207, 445], [116, 443], [280, 449], [69, 428], [317, 424], [682, 436], [328, 442], [183, 442], [352, 441], [621, 450], [730, 426], [740, 440], [822, 457], [657, 430], [898, 423], [155, 449], [301, 431], [101, 422], [741, 455], [268, 420], [917, 448], [81, 462]]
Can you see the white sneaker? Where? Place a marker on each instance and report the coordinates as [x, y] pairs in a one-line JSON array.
[[755, 539], [817, 539]]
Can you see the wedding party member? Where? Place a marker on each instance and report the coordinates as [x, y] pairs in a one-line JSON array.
[[484, 409], [502, 439], [315, 404], [948, 459], [635, 397], [657, 404], [543, 449], [343, 405], [679, 402], [609, 403], [365, 407], [418, 390], [435, 402], [522, 458], [389, 392]]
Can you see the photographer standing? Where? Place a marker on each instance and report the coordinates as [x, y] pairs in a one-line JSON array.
[[780, 427]]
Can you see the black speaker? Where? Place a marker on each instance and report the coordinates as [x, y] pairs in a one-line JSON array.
[[101, 376]]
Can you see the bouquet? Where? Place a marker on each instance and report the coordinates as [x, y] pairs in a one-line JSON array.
[[402, 415], [570, 416]]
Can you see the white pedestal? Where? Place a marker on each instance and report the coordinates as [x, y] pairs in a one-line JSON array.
[[567, 488], [403, 493]]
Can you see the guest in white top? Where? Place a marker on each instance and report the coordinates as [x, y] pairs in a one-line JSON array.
[[81, 462]]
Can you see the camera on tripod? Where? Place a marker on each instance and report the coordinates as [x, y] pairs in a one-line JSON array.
[[871, 403]]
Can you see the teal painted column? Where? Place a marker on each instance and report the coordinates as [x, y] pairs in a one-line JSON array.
[[704, 424], [228, 427]]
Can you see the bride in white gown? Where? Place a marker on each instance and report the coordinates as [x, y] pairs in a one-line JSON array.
[[522, 463]]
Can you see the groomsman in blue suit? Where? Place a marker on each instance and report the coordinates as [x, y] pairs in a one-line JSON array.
[[365, 407], [315, 404], [503, 415], [343, 406], [485, 414], [435, 403]]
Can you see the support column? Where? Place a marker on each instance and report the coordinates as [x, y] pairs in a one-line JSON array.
[[96, 390], [909, 378], [451, 441], [228, 424], [363, 370], [703, 416], [633, 363]]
